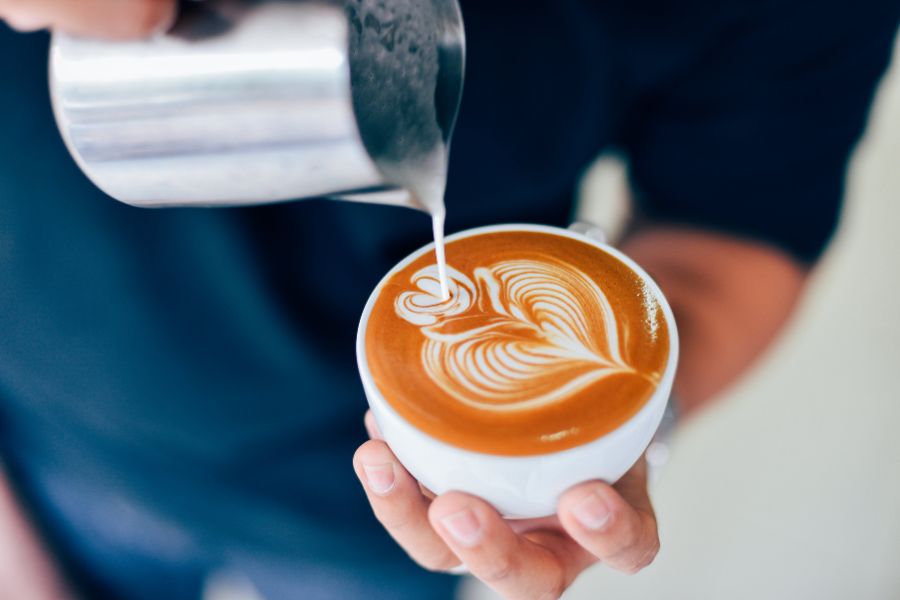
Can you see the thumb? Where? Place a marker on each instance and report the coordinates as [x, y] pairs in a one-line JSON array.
[[614, 523]]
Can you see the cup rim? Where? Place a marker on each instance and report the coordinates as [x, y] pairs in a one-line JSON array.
[[663, 387]]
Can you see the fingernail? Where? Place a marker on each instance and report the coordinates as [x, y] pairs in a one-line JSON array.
[[464, 527], [592, 512], [379, 478]]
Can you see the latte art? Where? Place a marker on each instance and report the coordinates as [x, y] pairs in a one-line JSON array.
[[427, 305], [524, 334], [542, 342]]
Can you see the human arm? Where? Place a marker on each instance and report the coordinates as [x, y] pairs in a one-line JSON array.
[[112, 19], [731, 297]]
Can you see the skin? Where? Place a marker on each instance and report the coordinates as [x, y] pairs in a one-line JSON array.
[[725, 322], [26, 568], [109, 19]]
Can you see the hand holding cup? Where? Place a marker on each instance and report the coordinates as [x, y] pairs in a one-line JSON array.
[[524, 401], [520, 559]]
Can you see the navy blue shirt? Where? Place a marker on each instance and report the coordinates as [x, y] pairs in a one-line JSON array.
[[201, 362]]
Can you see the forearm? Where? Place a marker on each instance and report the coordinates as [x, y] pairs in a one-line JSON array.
[[26, 570], [730, 297]]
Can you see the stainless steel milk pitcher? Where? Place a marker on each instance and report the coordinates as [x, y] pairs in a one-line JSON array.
[[256, 101]]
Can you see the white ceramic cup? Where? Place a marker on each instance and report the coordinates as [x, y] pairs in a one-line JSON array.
[[518, 486]]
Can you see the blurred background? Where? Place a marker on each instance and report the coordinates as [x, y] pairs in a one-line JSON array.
[[790, 487]]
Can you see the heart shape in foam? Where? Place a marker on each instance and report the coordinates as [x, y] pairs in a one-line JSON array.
[[524, 334]]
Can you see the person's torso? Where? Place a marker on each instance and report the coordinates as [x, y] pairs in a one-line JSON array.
[[202, 361]]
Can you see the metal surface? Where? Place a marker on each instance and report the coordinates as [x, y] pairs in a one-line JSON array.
[[244, 102]]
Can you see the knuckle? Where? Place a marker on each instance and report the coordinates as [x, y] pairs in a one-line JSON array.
[[147, 16], [439, 562], [554, 589], [643, 560], [626, 558], [652, 552], [629, 538], [633, 530], [624, 549], [394, 522], [15, 24], [20, 18], [498, 572], [393, 515]]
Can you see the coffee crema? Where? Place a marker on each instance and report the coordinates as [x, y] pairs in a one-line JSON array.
[[545, 343]]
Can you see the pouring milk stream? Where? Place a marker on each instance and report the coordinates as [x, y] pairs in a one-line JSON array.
[[250, 102]]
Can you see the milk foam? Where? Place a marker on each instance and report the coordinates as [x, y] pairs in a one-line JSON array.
[[519, 335]]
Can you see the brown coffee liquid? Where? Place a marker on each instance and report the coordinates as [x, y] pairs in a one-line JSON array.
[[545, 343]]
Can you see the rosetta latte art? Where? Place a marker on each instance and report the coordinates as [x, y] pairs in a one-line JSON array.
[[524, 334]]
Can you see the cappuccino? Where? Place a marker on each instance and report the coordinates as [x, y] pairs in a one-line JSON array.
[[541, 343]]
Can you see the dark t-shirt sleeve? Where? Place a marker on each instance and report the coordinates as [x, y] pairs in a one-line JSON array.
[[753, 136]]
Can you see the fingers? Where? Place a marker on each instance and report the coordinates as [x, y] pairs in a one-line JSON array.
[[512, 565], [112, 19], [400, 507], [372, 426], [529, 559], [618, 528]]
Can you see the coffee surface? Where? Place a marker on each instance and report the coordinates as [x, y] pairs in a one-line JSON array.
[[545, 343]]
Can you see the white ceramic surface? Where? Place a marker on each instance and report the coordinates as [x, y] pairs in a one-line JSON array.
[[518, 486]]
